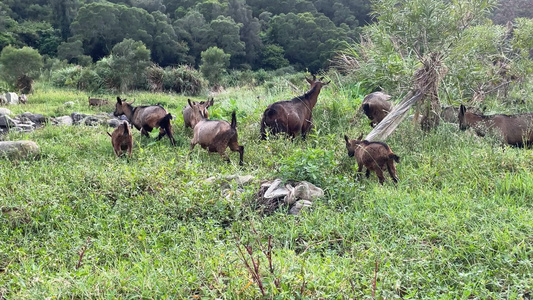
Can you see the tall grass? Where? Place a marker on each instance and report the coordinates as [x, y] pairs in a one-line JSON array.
[[457, 225]]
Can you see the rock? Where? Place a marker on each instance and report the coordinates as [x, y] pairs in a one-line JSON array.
[[298, 206], [23, 99], [35, 118], [6, 122], [114, 123], [26, 127], [240, 180], [275, 191], [77, 118], [5, 111], [3, 99], [91, 121], [12, 98], [19, 149], [69, 103], [64, 120]]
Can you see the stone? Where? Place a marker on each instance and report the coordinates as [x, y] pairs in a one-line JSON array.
[[23, 99], [77, 118], [3, 99], [12, 98], [240, 180], [114, 123], [5, 111], [275, 191], [64, 120], [6, 122], [35, 118], [91, 121], [19, 149], [298, 206], [69, 103]]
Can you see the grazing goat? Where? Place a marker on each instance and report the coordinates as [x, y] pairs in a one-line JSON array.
[[515, 130], [376, 107], [146, 118], [121, 139], [190, 119], [216, 135], [292, 116], [375, 156], [97, 102]]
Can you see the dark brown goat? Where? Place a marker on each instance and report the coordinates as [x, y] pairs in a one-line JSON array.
[[292, 116], [97, 102], [121, 139], [375, 156], [146, 118], [515, 130], [189, 118], [376, 107], [216, 135]]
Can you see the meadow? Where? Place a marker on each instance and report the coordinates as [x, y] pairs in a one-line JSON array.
[[77, 222]]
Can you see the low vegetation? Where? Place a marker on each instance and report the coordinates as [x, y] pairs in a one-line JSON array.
[[81, 223]]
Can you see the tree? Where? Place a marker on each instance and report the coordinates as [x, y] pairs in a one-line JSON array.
[[225, 34], [193, 29], [19, 65], [272, 57], [214, 64], [70, 51], [129, 60], [249, 32], [166, 49]]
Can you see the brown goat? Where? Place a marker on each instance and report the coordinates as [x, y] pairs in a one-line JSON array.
[[376, 107], [190, 119], [121, 139], [292, 116], [515, 130], [216, 135], [97, 102], [146, 118], [375, 156]]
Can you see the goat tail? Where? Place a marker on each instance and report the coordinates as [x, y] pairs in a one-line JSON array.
[[395, 157], [127, 131], [233, 120]]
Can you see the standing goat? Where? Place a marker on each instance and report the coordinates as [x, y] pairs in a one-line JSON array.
[[376, 107], [121, 139], [375, 156], [189, 118], [146, 118], [216, 135], [292, 116]]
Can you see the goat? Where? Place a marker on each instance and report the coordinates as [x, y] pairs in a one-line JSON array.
[[216, 135], [376, 107], [374, 156], [146, 118], [97, 102], [292, 116], [121, 139], [515, 130], [190, 119]]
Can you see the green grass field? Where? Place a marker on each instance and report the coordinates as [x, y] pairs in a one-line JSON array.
[[459, 225]]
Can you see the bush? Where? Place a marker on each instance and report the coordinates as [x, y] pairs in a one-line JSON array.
[[214, 64], [20, 63], [67, 77], [184, 79], [89, 80], [309, 165]]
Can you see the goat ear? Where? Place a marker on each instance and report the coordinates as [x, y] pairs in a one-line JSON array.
[[360, 137], [211, 102], [346, 139], [321, 78], [191, 104], [462, 109], [310, 81], [119, 101], [130, 103]]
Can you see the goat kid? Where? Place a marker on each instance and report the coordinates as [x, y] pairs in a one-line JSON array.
[[216, 135], [189, 118], [375, 156], [146, 118], [97, 102], [121, 139]]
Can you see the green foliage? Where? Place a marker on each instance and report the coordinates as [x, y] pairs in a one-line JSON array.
[[67, 77], [184, 79], [16, 63], [523, 37], [128, 62], [311, 164], [214, 64], [272, 57]]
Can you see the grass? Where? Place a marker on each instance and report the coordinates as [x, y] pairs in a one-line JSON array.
[[458, 224]]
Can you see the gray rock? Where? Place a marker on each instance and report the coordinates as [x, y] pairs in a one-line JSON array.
[[275, 191], [77, 118], [240, 180], [26, 127], [35, 118], [5, 111], [6, 122], [64, 120], [19, 149], [69, 103], [12, 98], [91, 121], [114, 123], [298, 206], [3, 99], [23, 99]]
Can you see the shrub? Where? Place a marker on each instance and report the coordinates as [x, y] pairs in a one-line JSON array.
[[308, 164], [184, 79], [67, 77]]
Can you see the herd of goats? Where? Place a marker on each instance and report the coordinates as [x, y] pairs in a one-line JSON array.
[[294, 117]]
